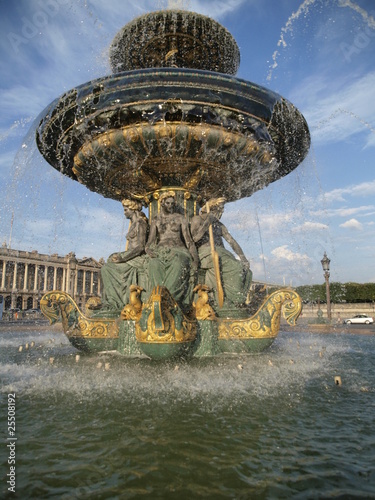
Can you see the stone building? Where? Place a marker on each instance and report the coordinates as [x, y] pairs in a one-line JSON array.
[[26, 276]]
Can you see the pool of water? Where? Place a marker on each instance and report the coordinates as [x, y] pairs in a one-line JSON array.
[[274, 425]]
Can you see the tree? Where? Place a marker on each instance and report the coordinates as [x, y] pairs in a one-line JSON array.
[[340, 292], [311, 293]]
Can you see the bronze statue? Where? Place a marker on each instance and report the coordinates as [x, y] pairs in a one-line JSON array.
[[228, 277], [173, 256], [127, 268]]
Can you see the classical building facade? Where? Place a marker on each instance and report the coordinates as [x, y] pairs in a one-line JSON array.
[[26, 276]]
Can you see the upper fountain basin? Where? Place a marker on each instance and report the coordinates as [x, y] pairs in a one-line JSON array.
[[175, 39], [128, 134]]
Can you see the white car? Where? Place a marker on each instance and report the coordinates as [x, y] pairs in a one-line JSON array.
[[359, 318]]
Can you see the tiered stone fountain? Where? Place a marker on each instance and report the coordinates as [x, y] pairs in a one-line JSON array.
[[172, 118]]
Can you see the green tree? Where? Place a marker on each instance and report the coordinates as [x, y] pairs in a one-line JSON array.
[[339, 292], [311, 293]]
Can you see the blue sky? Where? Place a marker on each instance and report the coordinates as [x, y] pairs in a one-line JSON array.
[[319, 54]]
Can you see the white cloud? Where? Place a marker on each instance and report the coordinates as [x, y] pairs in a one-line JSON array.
[[360, 190], [345, 211], [311, 226], [352, 224], [337, 114], [284, 253]]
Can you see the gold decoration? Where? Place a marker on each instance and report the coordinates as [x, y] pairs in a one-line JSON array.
[[131, 204], [92, 304], [216, 262], [167, 194], [266, 321], [203, 310], [213, 202], [146, 157], [59, 306], [162, 320], [133, 310]]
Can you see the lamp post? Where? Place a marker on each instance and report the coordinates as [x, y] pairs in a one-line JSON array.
[[325, 264]]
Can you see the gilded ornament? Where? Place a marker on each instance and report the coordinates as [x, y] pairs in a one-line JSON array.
[[59, 306], [266, 321], [133, 310], [162, 320], [203, 310]]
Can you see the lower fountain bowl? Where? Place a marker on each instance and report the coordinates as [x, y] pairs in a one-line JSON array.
[[165, 351]]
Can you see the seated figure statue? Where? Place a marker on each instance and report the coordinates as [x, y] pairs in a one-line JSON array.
[[235, 275], [126, 268], [173, 256]]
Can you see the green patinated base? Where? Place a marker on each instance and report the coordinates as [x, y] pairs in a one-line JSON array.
[[232, 312], [203, 338], [208, 344], [205, 344], [94, 345], [127, 342]]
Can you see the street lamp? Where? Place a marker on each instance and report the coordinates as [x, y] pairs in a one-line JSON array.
[[325, 264]]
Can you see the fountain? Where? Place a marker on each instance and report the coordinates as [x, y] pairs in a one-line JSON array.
[[174, 131], [294, 422]]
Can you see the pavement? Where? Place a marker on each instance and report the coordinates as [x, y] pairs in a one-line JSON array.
[[304, 326]]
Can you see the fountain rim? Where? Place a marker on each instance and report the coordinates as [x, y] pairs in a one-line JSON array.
[[242, 95], [224, 77]]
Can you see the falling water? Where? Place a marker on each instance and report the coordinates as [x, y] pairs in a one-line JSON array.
[[303, 10]]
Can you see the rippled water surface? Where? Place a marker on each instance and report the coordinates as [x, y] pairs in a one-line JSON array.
[[269, 426]]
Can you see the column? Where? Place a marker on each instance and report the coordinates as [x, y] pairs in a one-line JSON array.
[[45, 278], [84, 283], [92, 283], [15, 276], [64, 287], [54, 277], [4, 270], [36, 277], [26, 275], [75, 282]]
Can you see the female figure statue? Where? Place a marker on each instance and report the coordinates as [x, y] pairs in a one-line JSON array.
[[235, 275], [126, 268], [173, 256]]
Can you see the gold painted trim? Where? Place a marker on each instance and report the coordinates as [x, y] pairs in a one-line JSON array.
[[161, 316], [265, 323], [59, 306]]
